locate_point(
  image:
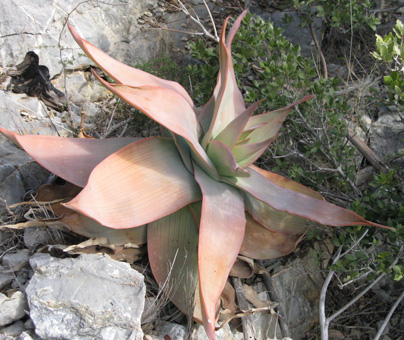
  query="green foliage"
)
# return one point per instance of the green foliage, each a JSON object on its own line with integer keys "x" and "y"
{"x": 390, "y": 50}
{"x": 343, "y": 14}
{"x": 269, "y": 67}
{"x": 383, "y": 200}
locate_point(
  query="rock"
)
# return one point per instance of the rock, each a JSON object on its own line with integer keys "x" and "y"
{"x": 224, "y": 333}
{"x": 24, "y": 115}
{"x": 11, "y": 186}
{"x": 294, "y": 31}
{"x": 12, "y": 308}
{"x": 5, "y": 279}
{"x": 35, "y": 237}
{"x": 364, "y": 176}
{"x": 387, "y": 137}
{"x": 12, "y": 260}
{"x": 13, "y": 330}
{"x": 26, "y": 336}
{"x": 298, "y": 288}
{"x": 179, "y": 332}
{"x": 89, "y": 297}
{"x": 33, "y": 175}
{"x": 109, "y": 25}
{"x": 81, "y": 87}
{"x": 173, "y": 330}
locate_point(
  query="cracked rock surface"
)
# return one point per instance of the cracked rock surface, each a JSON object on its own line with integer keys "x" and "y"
{"x": 89, "y": 297}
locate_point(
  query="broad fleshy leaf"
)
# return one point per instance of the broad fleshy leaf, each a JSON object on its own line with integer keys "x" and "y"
{"x": 73, "y": 159}
{"x": 247, "y": 154}
{"x": 172, "y": 244}
{"x": 260, "y": 243}
{"x": 169, "y": 109}
{"x": 228, "y": 102}
{"x": 84, "y": 225}
{"x": 125, "y": 74}
{"x": 232, "y": 132}
{"x": 295, "y": 203}
{"x": 221, "y": 234}
{"x": 276, "y": 220}
{"x": 136, "y": 185}
{"x": 223, "y": 158}
{"x": 271, "y": 120}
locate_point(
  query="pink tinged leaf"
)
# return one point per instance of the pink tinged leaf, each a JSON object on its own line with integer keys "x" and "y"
{"x": 136, "y": 185}
{"x": 172, "y": 244}
{"x": 247, "y": 154}
{"x": 267, "y": 125}
{"x": 229, "y": 102}
{"x": 260, "y": 243}
{"x": 221, "y": 234}
{"x": 276, "y": 220}
{"x": 258, "y": 120}
{"x": 73, "y": 159}
{"x": 125, "y": 74}
{"x": 169, "y": 109}
{"x": 206, "y": 115}
{"x": 224, "y": 161}
{"x": 232, "y": 132}
{"x": 295, "y": 203}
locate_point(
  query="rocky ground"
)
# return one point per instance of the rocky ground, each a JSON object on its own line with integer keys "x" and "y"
{"x": 52, "y": 289}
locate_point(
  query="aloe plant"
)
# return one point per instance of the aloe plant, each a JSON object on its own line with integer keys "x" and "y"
{"x": 195, "y": 189}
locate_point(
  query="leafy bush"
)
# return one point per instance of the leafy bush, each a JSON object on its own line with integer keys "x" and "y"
{"x": 342, "y": 14}
{"x": 390, "y": 50}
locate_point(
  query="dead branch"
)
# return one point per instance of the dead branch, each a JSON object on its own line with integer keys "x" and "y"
{"x": 246, "y": 320}
{"x": 367, "y": 152}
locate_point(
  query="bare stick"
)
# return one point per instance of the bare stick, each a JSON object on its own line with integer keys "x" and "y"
{"x": 197, "y": 20}
{"x": 320, "y": 52}
{"x": 324, "y": 321}
{"x": 275, "y": 298}
{"x": 248, "y": 328}
{"x": 367, "y": 152}
{"x": 388, "y": 317}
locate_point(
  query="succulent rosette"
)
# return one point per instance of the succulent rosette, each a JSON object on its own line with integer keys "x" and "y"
{"x": 195, "y": 189}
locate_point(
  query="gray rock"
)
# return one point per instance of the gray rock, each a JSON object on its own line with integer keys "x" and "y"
{"x": 89, "y": 297}
{"x": 298, "y": 288}
{"x": 33, "y": 175}
{"x": 173, "y": 330}
{"x": 12, "y": 308}
{"x": 35, "y": 237}
{"x": 24, "y": 115}
{"x": 5, "y": 279}
{"x": 11, "y": 186}
{"x": 26, "y": 336}
{"x": 224, "y": 333}
{"x": 364, "y": 176}
{"x": 110, "y": 25}
{"x": 387, "y": 136}
{"x": 13, "y": 330}
{"x": 294, "y": 31}
{"x": 12, "y": 260}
